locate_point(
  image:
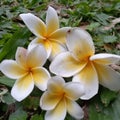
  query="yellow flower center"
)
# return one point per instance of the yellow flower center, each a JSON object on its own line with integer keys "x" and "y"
{"x": 29, "y": 70}
{"x": 86, "y": 59}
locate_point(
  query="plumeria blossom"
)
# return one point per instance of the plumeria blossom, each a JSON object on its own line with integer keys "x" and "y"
{"x": 60, "y": 98}
{"x": 49, "y": 35}
{"x": 84, "y": 65}
{"x": 28, "y": 70}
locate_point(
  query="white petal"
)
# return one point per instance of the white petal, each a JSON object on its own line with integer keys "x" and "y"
{"x": 57, "y": 48}
{"x": 60, "y": 35}
{"x": 56, "y": 84}
{"x": 80, "y": 43}
{"x": 11, "y": 69}
{"x": 22, "y": 88}
{"x": 89, "y": 79}
{"x": 105, "y": 59}
{"x": 21, "y": 55}
{"x": 49, "y": 101}
{"x": 36, "y": 57}
{"x": 43, "y": 42}
{"x": 108, "y": 77}
{"x": 40, "y": 77}
{"x": 34, "y": 43}
{"x": 52, "y": 21}
{"x": 74, "y": 90}
{"x": 74, "y": 109}
{"x": 58, "y": 113}
{"x": 65, "y": 65}
{"x": 35, "y": 24}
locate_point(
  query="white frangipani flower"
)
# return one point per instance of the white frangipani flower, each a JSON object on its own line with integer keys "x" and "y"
{"x": 28, "y": 70}
{"x": 86, "y": 67}
{"x": 49, "y": 35}
{"x": 60, "y": 98}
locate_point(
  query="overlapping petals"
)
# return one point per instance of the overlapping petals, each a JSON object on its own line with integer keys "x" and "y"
{"x": 108, "y": 77}
{"x": 48, "y": 33}
{"x": 89, "y": 79}
{"x": 73, "y": 53}
{"x": 105, "y": 58}
{"x": 40, "y": 77}
{"x": 58, "y": 113}
{"x": 65, "y": 65}
{"x": 80, "y": 43}
{"x": 74, "y": 109}
{"x": 28, "y": 70}
{"x": 60, "y": 98}
{"x": 87, "y": 68}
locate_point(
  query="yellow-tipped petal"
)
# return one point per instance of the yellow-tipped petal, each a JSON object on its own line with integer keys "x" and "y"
{"x": 47, "y": 45}
{"x": 80, "y": 43}
{"x": 58, "y": 113}
{"x": 52, "y": 21}
{"x": 89, "y": 79}
{"x": 49, "y": 101}
{"x": 108, "y": 77}
{"x": 60, "y": 35}
{"x": 35, "y": 24}
{"x": 65, "y": 65}
{"x": 40, "y": 77}
{"x": 22, "y": 87}
{"x": 44, "y": 42}
{"x": 57, "y": 48}
{"x": 73, "y": 90}
{"x": 34, "y": 43}
{"x": 36, "y": 57}
{"x": 74, "y": 109}
{"x": 105, "y": 59}
{"x": 20, "y": 56}
{"x": 56, "y": 85}
{"x": 11, "y": 69}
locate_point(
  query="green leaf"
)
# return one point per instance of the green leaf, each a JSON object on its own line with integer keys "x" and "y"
{"x": 94, "y": 114}
{"x": 31, "y": 102}
{"x": 98, "y": 110}
{"x": 37, "y": 117}
{"x": 107, "y": 96}
{"x": 19, "y": 39}
{"x": 19, "y": 114}
{"x": 102, "y": 18}
{"x": 116, "y": 109}
{"x": 109, "y": 39}
{"x": 93, "y": 26}
{"x": 7, "y": 81}
{"x": 8, "y": 99}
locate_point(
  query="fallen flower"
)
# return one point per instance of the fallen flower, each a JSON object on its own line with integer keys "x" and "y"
{"x": 60, "y": 98}
{"x": 49, "y": 35}
{"x": 28, "y": 70}
{"x": 86, "y": 67}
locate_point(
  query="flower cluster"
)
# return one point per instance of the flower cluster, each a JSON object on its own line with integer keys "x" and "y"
{"x": 72, "y": 54}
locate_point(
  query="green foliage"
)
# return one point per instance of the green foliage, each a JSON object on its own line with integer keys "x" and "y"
{"x": 37, "y": 117}
{"x": 107, "y": 96}
{"x": 6, "y": 81}
{"x": 95, "y": 16}
{"x": 99, "y": 110}
{"x": 31, "y": 102}
{"x": 19, "y": 38}
{"x": 19, "y": 114}
{"x": 8, "y": 99}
